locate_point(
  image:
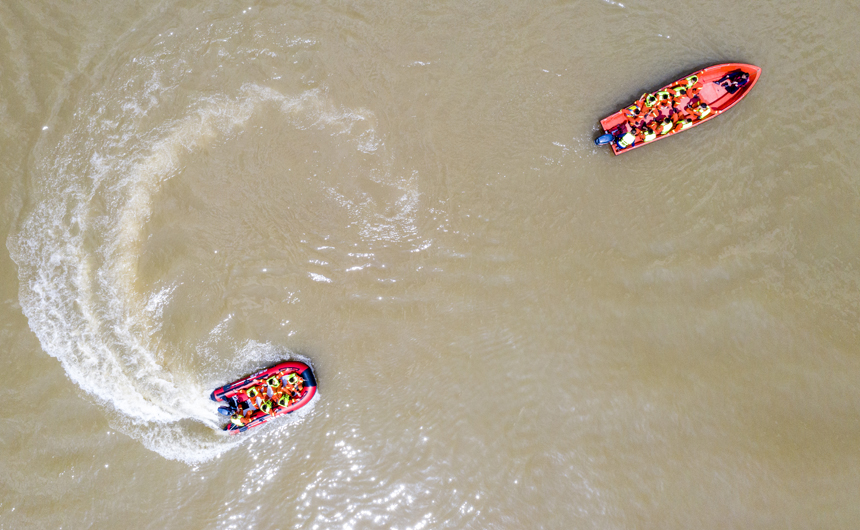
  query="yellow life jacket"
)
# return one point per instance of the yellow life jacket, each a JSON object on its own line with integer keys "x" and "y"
{"x": 631, "y": 112}
{"x": 626, "y": 140}
{"x": 683, "y": 124}
{"x": 667, "y": 126}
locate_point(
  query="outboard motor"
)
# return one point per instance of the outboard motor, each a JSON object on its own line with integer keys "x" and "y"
{"x": 225, "y": 411}
{"x": 604, "y": 139}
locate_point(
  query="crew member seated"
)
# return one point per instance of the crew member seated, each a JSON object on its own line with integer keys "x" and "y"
{"x": 632, "y": 112}
{"x": 683, "y": 124}
{"x": 626, "y": 140}
{"x": 701, "y": 110}
{"x": 239, "y": 420}
{"x": 666, "y": 126}
{"x": 733, "y": 81}
{"x": 650, "y": 132}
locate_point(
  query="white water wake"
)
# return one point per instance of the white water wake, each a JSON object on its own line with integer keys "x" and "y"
{"x": 78, "y": 252}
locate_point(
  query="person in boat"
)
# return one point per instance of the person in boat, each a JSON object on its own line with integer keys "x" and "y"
{"x": 292, "y": 383}
{"x": 692, "y": 81}
{"x": 239, "y": 420}
{"x": 688, "y": 87}
{"x": 687, "y": 83}
{"x": 734, "y": 81}
{"x": 701, "y": 110}
{"x": 632, "y": 112}
{"x": 635, "y": 116}
{"x": 627, "y": 139}
{"x": 694, "y": 90}
{"x": 647, "y": 106}
{"x": 682, "y": 124}
{"x": 650, "y": 132}
{"x": 679, "y": 94}
{"x": 664, "y": 99}
{"x": 647, "y": 101}
{"x": 666, "y": 126}
{"x": 255, "y": 399}
{"x": 291, "y": 392}
{"x": 233, "y": 403}
{"x": 270, "y": 386}
{"x": 298, "y": 386}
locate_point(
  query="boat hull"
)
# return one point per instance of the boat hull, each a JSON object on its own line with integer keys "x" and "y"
{"x": 713, "y": 93}
{"x": 237, "y": 388}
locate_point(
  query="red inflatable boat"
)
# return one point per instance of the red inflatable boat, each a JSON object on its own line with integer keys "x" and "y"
{"x": 254, "y": 400}
{"x": 717, "y": 89}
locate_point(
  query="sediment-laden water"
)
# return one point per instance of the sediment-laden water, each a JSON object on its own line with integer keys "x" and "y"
{"x": 510, "y": 327}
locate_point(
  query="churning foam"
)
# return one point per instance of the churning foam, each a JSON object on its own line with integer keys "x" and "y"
{"x": 77, "y": 254}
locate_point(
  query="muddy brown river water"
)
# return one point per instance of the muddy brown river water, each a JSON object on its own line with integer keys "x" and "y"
{"x": 510, "y": 327}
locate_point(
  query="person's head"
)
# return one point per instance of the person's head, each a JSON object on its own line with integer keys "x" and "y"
{"x": 282, "y": 401}
{"x": 693, "y": 79}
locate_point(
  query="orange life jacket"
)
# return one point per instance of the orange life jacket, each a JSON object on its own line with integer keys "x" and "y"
{"x": 694, "y": 90}
{"x": 683, "y": 124}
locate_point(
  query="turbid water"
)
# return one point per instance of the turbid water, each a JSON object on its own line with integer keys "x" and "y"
{"x": 511, "y": 328}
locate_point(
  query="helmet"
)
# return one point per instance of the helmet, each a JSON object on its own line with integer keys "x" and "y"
{"x": 283, "y": 401}
{"x": 273, "y": 382}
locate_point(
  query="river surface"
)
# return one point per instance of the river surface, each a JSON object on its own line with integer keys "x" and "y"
{"x": 510, "y": 327}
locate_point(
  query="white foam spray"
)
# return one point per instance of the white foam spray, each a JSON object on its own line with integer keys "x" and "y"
{"x": 78, "y": 251}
